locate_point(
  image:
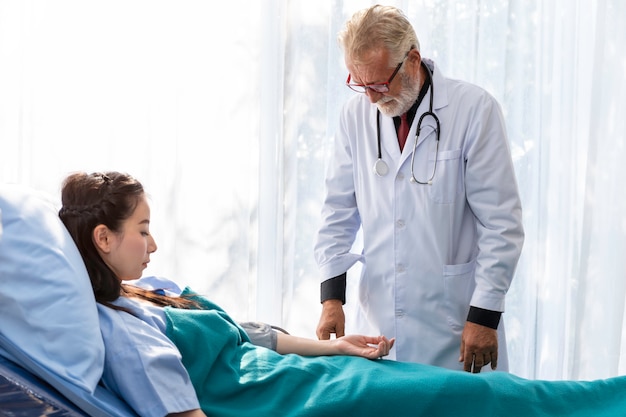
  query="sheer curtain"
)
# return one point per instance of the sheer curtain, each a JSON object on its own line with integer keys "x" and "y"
{"x": 226, "y": 112}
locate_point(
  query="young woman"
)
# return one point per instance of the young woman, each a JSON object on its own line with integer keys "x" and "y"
{"x": 171, "y": 353}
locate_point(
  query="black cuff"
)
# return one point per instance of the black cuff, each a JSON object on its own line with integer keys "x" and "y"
{"x": 334, "y": 289}
{"x": 488, "y": 318}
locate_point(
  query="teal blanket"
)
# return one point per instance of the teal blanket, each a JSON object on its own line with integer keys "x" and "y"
{"x": 234, "y": 378}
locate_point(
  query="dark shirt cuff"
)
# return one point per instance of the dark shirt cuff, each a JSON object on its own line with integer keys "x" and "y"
{"x": 334, "y": 289}
{"x": 484, "y": 317}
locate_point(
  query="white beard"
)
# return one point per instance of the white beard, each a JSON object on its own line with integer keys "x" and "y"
{"x": 395, "y": 106}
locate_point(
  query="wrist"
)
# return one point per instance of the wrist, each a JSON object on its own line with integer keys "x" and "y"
{"x": 332, "y": 303}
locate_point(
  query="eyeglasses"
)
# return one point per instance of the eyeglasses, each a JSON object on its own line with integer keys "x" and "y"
{"x": 379, "y": 88}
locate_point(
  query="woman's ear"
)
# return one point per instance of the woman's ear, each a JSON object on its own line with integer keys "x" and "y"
{"x": 102, "y": 238}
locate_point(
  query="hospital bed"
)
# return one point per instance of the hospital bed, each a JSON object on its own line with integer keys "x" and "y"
{"x": 52, "y": 353}
{"x": 24, "y": 394}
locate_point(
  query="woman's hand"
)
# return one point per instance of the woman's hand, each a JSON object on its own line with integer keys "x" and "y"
{"x": 371, "y": 347}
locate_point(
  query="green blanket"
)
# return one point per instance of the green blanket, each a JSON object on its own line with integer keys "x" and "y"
{"x": 232, "y": 377}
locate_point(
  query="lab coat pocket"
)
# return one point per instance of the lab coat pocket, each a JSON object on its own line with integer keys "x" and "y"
{"x": 447, "y": 183}
{"x": 458, "y": 281}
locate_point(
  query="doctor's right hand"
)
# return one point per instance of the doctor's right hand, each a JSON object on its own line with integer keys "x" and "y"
{"x": 332, "y": 320}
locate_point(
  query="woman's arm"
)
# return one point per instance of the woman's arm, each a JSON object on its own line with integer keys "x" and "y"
{"x": 370, "y": 347}
{"x": 193, "y": 413}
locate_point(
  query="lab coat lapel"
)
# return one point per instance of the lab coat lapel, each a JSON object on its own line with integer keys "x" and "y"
{"x": 389, "y": 139}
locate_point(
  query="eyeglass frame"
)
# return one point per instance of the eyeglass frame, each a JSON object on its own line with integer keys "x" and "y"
{"x": 377, "y": 87}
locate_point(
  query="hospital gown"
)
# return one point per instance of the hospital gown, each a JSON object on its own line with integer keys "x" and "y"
{"x": 143, "y": 366}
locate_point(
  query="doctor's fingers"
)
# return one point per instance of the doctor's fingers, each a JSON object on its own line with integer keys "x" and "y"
{"x": 494, "y": 360}
{"x": 332, "y": 320}
{"x": 473, "y": 363}
{"x": 476, "y": 362}
{"x": 340, "y": 330}
{"x": 326, "y": 328}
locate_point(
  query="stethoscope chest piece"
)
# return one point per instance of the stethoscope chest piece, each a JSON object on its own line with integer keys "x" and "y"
{"x": 380, "y": 168}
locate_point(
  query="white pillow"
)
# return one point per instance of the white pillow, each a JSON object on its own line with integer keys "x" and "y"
{"x": 47, "y": 307}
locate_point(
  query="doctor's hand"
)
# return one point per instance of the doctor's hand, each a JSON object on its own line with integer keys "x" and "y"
{"x": 332, "y": 320}
{"x": 479, "y": 347}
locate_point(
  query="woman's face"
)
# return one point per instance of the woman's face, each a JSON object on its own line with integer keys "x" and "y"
{"x": 130, "y": 248}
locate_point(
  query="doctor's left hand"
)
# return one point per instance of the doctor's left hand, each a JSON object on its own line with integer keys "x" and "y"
{"x": 479, "y": 347}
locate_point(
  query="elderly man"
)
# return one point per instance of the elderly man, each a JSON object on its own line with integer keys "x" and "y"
{"x": 422, "y": 165}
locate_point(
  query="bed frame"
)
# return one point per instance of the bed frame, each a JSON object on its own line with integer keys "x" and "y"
{"x": 22, "y": 393}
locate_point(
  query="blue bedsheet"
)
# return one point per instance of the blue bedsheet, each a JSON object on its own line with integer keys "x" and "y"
{"x": 234, "y": 378}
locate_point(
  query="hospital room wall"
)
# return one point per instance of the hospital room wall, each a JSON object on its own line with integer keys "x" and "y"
{"x": 226, "y": 111}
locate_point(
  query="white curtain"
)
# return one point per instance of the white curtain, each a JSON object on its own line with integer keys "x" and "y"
{"x": 226, "y": 112}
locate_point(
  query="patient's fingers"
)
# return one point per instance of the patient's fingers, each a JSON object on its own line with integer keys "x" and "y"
{"x": 385, "y": 345}
{"x": 370, "y": 347}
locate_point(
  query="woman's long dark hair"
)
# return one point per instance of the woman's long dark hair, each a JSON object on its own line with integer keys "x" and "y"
{"x": 107, "y": 198}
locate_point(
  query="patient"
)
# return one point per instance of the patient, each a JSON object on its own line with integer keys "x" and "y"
{"x": 176, "y": 353}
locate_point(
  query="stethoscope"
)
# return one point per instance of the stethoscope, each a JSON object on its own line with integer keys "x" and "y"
{"x": 381, "y": 168}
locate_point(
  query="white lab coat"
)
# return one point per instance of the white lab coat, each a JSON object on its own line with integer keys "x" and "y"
{"x": 429, "y": 251}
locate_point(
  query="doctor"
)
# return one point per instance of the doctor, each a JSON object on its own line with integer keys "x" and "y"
{"x": 439, "y": 211}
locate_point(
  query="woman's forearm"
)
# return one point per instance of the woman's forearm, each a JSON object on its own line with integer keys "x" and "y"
{"x": 370, "y": 347}
{"x": 302, "y": 346}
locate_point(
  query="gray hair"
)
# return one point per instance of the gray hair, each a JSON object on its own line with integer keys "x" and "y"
{"x": 378, "y": 27}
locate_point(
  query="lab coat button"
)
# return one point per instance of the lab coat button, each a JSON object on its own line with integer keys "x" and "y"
{"x": 399, "y": 313}
{"x": 400, "y": 268}
{"x": 400, "y": 176}
{"x": 400, "y": 224}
